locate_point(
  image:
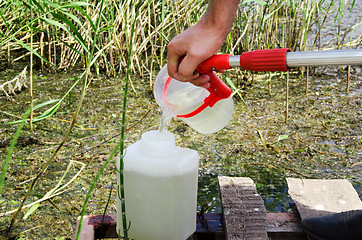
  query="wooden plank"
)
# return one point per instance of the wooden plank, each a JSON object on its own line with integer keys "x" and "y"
{"x": 282, "y": 222}
{"x": 280, "y": 226}
{"x": 284, "y": 226}
{"x": 208, "y": 227}
{"x": 243, "y": 209}
{"x": 319, "y": 197}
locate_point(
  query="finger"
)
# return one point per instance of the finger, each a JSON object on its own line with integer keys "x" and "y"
{"x": 173, "y": 64}
{"x": 205, "y": 85}
{"x": 174, "y": 56}
{"x": 187, "y": 67}
{"x": 201, "y": 81}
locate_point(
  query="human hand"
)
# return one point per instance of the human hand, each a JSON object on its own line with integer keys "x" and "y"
{"x": 194, "y": 45}
{"x": 200, "y": 42}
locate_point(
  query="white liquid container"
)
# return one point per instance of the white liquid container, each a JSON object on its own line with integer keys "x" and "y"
{"x": 179, "y": 98}
{"x": 160, "y": 181}
{"x": 211, "y": 119}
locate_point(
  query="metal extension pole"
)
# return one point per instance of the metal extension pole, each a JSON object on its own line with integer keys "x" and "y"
{"x": 324, "y": 58}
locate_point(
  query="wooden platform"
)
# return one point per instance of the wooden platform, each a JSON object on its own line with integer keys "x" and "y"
{"x": 244, "y": 216}
{"x": 209, "y": 227}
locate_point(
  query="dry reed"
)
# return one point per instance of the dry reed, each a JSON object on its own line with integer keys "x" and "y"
{"x": 275, "y": 24}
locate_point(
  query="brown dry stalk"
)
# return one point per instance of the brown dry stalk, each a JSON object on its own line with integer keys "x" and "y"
{"x": 277, "y": 24}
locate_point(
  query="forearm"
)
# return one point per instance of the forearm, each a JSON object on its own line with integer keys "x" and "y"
{"x": 200, "y": 42}
{"x": 220, "y": 15}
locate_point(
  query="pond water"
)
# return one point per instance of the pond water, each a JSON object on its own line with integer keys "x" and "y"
{"x": 323, "y": 141}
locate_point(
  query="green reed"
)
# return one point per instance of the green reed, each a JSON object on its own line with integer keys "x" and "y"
{"x": 120, "y": 146}
{"x": 63, "y": 45}
{"x": 11, "y": 150}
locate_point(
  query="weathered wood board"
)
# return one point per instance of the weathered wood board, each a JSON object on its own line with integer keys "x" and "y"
{"x": 208, "y": 227}
{"x": 319, "y": 197}
{"x": 243, "y": 209}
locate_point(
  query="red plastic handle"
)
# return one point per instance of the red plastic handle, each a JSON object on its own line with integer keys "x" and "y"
{"x": 215, "y": 63}
{"x": 218, "y": 89}
{"x": 258, "y": 60}
{"x": 265, "y": 60}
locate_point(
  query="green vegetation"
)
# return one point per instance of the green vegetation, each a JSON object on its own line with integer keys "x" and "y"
{"x": 62, "y": 31}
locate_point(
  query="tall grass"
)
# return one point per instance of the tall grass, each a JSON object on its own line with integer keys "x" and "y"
{"x": 59, "y": 16}
{"x": 273, "y": 23}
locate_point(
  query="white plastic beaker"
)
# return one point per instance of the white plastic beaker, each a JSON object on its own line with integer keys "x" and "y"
{"x": 190, "y": 103}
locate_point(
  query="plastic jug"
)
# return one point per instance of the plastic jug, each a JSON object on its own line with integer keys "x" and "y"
{"x": 204, "y": 110}
{"x": 160, "y": 181}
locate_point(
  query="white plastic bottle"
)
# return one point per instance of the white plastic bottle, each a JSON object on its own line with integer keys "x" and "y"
{"x": 160, "y": 181}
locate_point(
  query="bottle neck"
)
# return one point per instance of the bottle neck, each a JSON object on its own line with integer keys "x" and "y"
{"x": 156, "y": 142}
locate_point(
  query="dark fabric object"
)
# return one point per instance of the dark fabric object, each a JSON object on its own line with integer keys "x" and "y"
{"x": 339, "y": 226}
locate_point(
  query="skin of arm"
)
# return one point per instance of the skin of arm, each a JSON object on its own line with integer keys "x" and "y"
{"x": 201, "y": 41}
